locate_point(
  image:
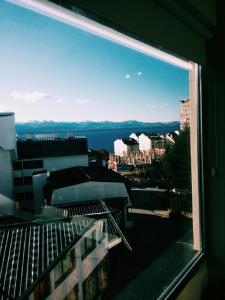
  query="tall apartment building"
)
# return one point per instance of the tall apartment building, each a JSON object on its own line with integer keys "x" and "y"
{"x": 185, "y": 113}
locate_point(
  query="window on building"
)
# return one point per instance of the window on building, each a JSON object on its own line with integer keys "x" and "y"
{"x": 64, "y": 267}
{"x": 43, "y": 289}
{"x": 88, "y": 244}
{"x": 73, "y": 294}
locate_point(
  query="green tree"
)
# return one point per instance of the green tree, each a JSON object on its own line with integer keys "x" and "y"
{"x": 177, "y": 162}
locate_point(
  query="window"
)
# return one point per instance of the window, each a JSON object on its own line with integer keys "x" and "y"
{"x": 64, "y": 267}
{"x": 43, "y": 289}
{"x": 88, "y": 244}
{"x": 73, "y": 294}
{"x": 144, "y": 110}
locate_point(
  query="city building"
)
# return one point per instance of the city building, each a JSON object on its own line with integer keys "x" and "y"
{"x": 193, "y": 30}
{"x": 87, "y": 188}
{"x": 135, "y": 136}
{"x": 8, "y": 153}
{"x": 124, "y": 146}
{"x": 185, "y": 113}
{"x": 23, "y": 160}
{"x": 53, "y": 257}
{"x": 150, "y": 141}
{"x": 170, "y": 138}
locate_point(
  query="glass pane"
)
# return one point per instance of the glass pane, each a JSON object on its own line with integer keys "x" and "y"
{"x": 95, "y": 162}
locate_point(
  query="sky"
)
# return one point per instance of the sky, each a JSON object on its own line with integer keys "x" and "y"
{"x": 53, "y": 71}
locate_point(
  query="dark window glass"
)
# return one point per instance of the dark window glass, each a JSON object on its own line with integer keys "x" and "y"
{"x": 23, "y": 180}
{"x": 73, "y": 294}
{"x": 66, "y": 265}
{"x": 88, "y": 244}
{"x": 43, "y": 289}
{"x": 18, "y": 180}
{"x": 17, "y": 165}
{"x": 33, "y": 164}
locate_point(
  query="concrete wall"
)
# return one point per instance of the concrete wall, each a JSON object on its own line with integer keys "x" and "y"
{"x": 63, "y": 162}
{"x": 88, "y": 191}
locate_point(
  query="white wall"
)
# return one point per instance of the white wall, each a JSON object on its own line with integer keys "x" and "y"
{"x": 134, "y": 136}
{"x": 83, "y": 267}
{"x": 8, "y": 132}
{"x": 88, "y": 191}
{"x": 6, "y": 174}
{"x": 120, "y": 147}
{"x": 144, "y": 143}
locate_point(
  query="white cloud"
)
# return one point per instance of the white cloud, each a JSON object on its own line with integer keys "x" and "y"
{"x": 139, "y": 73}
{"x": 127, "y": 76}
{"x": 29, "y": 97}
{"x": 33, "y": 97}
{"x": 4, "y": 108}
{"x": 83, "y": 101}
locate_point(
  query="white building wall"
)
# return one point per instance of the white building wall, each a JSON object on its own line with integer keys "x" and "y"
{"x": 7, "y": 131}
{"x": 89, "y": 191}
{"x": 120, "y": 147}
{"x": 134, "y": 136}
{"x": 63, "y": 162}
{"x": 83, "y": 268}
{"x": 144, "y": 143}
{"x": 6, "y": 174}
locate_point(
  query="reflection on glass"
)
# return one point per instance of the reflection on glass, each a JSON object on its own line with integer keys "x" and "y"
{"x": 87, "y": 206}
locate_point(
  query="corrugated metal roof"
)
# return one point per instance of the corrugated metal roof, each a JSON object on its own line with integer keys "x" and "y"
{"x": 27, "y": 250}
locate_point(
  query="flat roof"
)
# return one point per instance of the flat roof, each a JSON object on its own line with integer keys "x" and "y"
{"x": 29, "y": 149}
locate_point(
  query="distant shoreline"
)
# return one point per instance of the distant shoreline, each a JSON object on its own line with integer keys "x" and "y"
{"x": 99, "y": 138}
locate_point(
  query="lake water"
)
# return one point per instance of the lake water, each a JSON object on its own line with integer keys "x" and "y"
{"x": 103, "y": 138}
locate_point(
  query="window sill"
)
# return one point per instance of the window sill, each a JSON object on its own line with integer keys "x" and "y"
{"x": 161, "y": 278}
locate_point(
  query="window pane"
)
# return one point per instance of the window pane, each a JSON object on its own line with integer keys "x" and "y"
{"x": 99, "y": 159}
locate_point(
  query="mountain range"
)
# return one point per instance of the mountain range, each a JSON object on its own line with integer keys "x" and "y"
{"x": 47, "y": 126}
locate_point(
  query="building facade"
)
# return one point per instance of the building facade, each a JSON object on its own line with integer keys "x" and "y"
{"x": 185, "y": 113}
{"x": 124, "y": 146}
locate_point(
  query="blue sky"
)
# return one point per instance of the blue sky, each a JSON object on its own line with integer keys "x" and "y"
{"x": 53, "y": 71}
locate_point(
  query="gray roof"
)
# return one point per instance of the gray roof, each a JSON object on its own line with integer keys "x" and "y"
{"x": 77, "y": 175}
{"x": 6, "y": 114}
{"x": 129, "y": 141}
{"x": 27, "y": 250}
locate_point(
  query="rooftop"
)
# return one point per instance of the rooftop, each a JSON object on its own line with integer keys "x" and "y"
{"x": 38, "y": 148}
{"x": 27, "y": 250}
{"x": 6, "y": 114}
{"x": 77, "y": 175}
{"x": 129, "y": 141}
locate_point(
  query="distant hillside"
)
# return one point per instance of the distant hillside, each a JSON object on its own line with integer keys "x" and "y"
{"x": 50, "y": 126}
